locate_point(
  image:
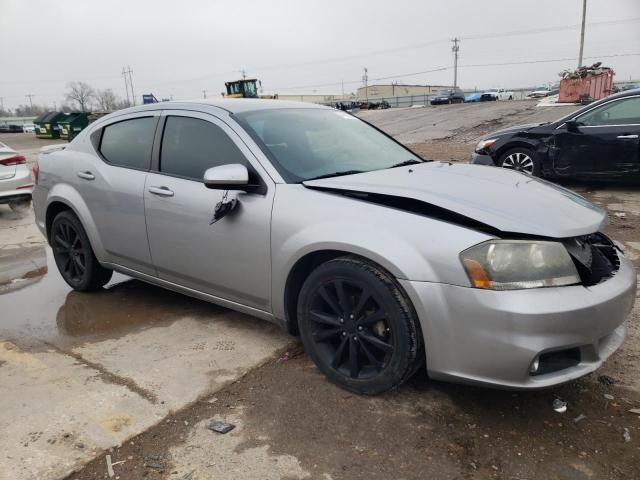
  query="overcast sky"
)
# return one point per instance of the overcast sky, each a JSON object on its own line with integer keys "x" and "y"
{"x": 180, "y": 47}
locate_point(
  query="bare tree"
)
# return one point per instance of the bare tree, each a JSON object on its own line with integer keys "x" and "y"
{"x": 107, "y": 100}
{"x": 81, "y": 94}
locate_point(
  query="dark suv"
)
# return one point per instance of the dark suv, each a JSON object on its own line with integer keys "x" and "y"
{"x": 450, "y": 95}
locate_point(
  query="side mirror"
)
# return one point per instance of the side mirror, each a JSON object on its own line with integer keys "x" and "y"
{"x": 233, "y": 176}
{"x": 572, "y": 126}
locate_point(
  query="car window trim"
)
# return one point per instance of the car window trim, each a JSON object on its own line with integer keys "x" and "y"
{"x": 194, "y": 114}
{"x": 111, "y": 164}
{"x": 571, "y": 119}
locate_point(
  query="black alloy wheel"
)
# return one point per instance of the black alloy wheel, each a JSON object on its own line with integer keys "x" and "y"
{"x": 358, "y": 326}
{"x": 73, "y": 254}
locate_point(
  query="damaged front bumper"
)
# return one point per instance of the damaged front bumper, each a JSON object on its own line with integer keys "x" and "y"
{"x": 482, "y": 159}
{"x": 495, "y": 337}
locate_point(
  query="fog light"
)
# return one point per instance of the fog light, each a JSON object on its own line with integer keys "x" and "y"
{"x": 534, "y": 365}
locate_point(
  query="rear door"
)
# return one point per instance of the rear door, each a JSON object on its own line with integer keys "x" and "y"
{"x": 231, "y": 258}
{"x": 605, "y": 142}
{"x": 112, "y": 185}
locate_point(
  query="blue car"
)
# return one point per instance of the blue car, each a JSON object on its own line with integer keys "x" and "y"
{"x": 472, "y": 97}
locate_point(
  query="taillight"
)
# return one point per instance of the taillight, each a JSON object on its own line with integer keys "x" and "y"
{"x": 36, "y": 171}
{"x": 15, "y": 160}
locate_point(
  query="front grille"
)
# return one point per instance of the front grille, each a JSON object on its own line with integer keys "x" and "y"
{"x": 595, "y": 257}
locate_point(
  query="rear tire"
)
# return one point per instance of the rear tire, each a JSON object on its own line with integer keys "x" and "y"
{"x": 522, "y": 160}
{"x": 358, "y": 326}
{"x": 74, "y": 256}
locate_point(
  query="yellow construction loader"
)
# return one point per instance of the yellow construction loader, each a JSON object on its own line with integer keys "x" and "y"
{"x": 245, "y": 88}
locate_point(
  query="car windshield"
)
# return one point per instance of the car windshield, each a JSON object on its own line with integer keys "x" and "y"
{"x": 308, "y": 143}
{"x": 443, "y": 92}
{"x": 492, "y": 90}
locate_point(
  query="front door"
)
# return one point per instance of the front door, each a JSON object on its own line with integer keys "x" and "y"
{"x": 605, "y": 141}
{"x": 230, "y": 258}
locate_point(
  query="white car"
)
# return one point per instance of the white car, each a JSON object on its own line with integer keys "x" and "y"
{"x": 28, "y": 128}
{"x": 497, "y": 94}
{"x": 540, "y": 92}
{"x": 16, "y": 183}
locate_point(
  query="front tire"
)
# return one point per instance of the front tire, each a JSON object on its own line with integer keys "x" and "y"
{"x": 74, "y": 256}
{"x": 358, "y": 326}
{"x": 522, "y": 160}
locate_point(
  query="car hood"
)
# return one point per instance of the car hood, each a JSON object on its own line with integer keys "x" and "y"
{"x": 516, "y": 128}
{"x": 502, "y": 199}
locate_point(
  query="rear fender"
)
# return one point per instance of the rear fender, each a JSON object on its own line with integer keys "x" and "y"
{"x": 65, "y": 193}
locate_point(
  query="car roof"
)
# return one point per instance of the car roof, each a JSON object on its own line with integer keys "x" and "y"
{"x": 231, "y": 105}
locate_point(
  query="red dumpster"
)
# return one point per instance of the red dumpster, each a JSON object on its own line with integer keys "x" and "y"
{"x": 591, "y": 87}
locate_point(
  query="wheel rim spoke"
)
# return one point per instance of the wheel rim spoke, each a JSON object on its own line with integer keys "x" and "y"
{"x": 62, "y": 242}
{"x": 364, "y": 297}
{"x": 79, "y": 264}
{"x": 326, "y": 296}
{"x": 377, "y": 342}
{"x": 342, "y": 297}
{"x": 337, "y": 357}
{"x": 371, "y": 357}
{"x": 324, "y": 318}
{"x": 326, "y": 334}
{"x": 354, "y": 369}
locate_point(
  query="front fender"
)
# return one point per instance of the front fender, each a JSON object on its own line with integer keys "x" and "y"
{"x": 409, "y": 246}
{"x": 66, "y": 194}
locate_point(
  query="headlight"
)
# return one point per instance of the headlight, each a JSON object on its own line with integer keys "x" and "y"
{"x": 482, "y": 144}
{"x": 518, "y": 264}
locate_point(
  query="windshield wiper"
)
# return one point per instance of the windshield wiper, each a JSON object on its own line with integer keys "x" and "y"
{"x": 405, "y": 163}
{"x": 335, "y": 174}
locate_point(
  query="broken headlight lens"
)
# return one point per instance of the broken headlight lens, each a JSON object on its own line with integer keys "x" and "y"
{"x": 519, "y": 264}
{"x": 483, "y": 144}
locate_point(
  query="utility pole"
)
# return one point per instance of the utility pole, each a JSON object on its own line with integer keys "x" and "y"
{"x": 455, "y": 49}
{"x": 1, "y": 104}
{"x": 584, "y": 16}
{"x": 30, "y": 96}
{"x": 365, "y": 81}
{"x": 133, "y": 95}
{"x": 343, "y": 88}
{"x": 126, "y": 85}
{"x": 244, "y": 73}
{"x": 204, "y": 94}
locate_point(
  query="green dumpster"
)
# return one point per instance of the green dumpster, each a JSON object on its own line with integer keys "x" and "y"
{"x": 72, "y": 124}
{"x": 47, "y": 125}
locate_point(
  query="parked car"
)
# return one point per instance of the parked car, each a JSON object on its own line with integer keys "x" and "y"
{"x": 315, "y": 220}
{"x": 15, "y": 179}
{"x": 451, "y": 95}
{"x": 28, "y": 128}
{"x": 496, "y": 94}
{"x": 540, "y": 92}
{"x": 600, "y": 140}
{"x": 10, "y": 128}
{"x": 472, "y": 97}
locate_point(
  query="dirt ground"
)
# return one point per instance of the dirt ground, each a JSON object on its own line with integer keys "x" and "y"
{"x": 291, "y": 423}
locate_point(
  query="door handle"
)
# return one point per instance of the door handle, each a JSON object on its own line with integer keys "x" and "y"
{"x": 86, "y": 175}
{"x": 162, "y": 191}
{"x": 627, "y": 137}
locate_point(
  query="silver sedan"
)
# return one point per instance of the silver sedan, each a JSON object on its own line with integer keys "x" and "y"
{"x": 311, "y": 218}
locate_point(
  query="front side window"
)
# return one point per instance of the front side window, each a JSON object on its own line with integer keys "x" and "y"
{"x": 190, "y": 146}
{"x": 129, "y": 143}
{"x": 307, "y": 143}
{"x": 620, "y": 112}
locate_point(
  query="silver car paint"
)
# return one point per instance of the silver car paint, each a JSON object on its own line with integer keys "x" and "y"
{"x": 507, "y": 200}
{"x": 461, "y": 325}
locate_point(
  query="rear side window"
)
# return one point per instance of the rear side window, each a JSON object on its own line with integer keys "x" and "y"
{"x": 129, "y": 143}
{"x": 190, "y": 146}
